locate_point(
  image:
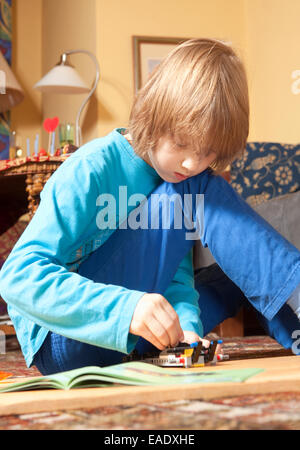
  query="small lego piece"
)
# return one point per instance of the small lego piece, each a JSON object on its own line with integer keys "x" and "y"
{"x": 222, "y": 357}
{"x": 184, "y": 355}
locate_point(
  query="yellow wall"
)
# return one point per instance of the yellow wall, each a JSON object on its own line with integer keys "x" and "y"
{"x": 273, "y": 53}
{"x": 42, "y": 29}
{"x": 264, "y": 32}
{"x": 118, "y": 20}
{"x": 67, "y": 25}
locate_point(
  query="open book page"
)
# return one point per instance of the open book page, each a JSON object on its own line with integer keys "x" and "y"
{"x": 151, "y": 374}
{"x": 131, "y": 373}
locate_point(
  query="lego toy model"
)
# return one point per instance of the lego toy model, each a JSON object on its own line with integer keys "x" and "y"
{"x": 185, "y": 355}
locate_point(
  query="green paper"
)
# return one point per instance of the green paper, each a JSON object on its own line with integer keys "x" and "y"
{"x": 131, "y": 373}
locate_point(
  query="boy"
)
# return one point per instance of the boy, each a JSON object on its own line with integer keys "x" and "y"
{"x": 82, "y": 290}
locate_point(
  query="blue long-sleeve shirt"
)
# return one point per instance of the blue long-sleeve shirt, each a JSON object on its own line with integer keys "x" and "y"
{"x": 39, "y": 280}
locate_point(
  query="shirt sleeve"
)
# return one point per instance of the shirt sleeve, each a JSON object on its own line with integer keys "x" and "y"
{"x": 36, "y": 281}
{"x": 184, "y": 297}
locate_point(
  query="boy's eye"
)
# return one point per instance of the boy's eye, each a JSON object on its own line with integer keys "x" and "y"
{"x": 180, "y": 144}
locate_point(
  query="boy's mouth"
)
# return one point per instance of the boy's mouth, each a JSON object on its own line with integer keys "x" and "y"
{"x": 179, "y": 176}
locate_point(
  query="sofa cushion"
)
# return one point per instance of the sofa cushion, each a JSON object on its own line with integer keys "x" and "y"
{"x": 283, "y": 213}
{"x": 266, "y": 170}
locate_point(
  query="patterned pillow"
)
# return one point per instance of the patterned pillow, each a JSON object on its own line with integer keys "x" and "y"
{"x": 266, "y": 170}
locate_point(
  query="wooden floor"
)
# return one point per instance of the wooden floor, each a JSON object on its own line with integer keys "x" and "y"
{"x": 280, "y": 374}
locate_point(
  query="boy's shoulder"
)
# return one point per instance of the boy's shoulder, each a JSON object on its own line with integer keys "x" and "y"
{"x": 94, "y": 160}
{"x": 102, "y": 148}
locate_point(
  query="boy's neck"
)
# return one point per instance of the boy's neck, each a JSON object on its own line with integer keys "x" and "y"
{"x": 128, "y": 137}
{"x": 146, "y": 158}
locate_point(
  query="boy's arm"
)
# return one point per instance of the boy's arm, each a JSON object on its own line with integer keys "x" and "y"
{"x": 35, "y": 280}
{"x": 184, "y": 297}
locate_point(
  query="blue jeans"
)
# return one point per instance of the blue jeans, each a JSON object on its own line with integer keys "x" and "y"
{"x": 257, "y": 265}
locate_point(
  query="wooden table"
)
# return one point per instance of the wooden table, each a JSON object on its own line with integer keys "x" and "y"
{"x": 280, "y": 374}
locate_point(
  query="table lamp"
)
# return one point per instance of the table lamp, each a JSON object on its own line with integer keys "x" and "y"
{"x": 11, "y": 93}
{"x": 63, "y": 79}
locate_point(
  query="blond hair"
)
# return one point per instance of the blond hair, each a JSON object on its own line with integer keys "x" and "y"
{"x": 198, "y": 91}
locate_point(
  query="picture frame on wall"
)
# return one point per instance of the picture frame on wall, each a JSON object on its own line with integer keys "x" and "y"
{"x": 148, "y": 52}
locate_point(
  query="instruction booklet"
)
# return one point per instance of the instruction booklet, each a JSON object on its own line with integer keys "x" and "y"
{"x": 131, "y": 373}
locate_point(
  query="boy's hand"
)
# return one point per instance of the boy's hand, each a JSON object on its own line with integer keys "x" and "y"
{"x": 190, "y": 337}
{"x": 156, "y": 321}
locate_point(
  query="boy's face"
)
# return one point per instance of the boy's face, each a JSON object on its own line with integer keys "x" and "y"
{"x": 175, "y": 160}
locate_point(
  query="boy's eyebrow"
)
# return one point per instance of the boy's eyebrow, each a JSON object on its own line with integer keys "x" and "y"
{"x": 185, "y": 140}
{"x": 198, "y": 148}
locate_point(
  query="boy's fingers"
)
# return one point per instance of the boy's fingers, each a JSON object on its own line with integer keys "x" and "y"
{"x": 149, "y": 336}
{"x": 157, "y": 321}
{"x": 170, "y": 320}
{"x": 157, "y": 328}
{"x": 219, "y": 349}
{"x": 205, "y": 342}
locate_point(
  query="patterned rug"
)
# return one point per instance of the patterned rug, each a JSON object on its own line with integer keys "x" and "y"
{"x": 278, "y": 411}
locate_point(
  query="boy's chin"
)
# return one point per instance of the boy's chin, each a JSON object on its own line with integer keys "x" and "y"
{"x": 170, "y": 179}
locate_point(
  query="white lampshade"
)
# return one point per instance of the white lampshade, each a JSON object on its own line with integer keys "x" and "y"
{"x": 11, "y": 93}
{"x": 62, "y": 79}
